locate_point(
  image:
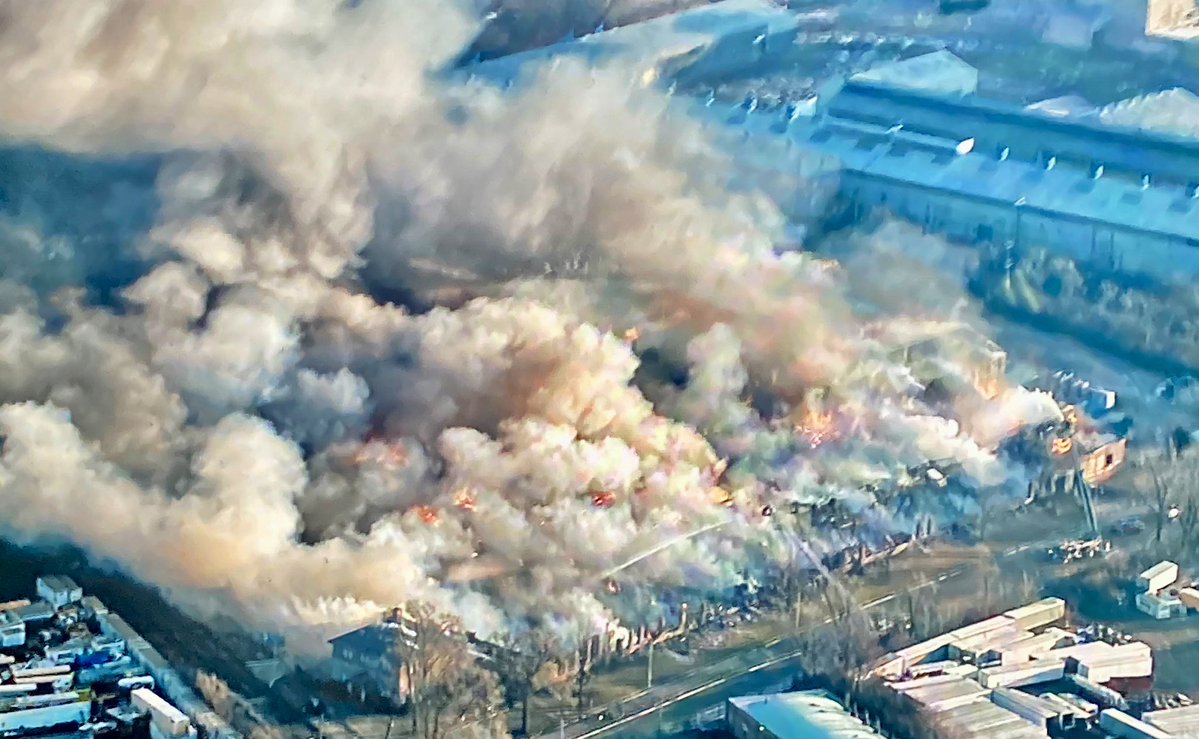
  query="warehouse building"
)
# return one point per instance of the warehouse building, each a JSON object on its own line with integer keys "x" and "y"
{"x": 1017, "y": 674}
{"x": 800, "y": 715}
{"x": 707, "y": 40}
{"x": 1118, "y": 197}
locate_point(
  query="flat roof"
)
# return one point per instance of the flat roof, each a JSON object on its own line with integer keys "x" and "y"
{"x": 58, "y": 582}
{"x": 1060, "y": 192}
{"x": 803, "y": 715}
{"x": 650, "y": 43}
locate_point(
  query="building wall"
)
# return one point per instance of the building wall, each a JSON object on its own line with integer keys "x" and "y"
{"x": 45, "y": 717}
{"x": 965, "y": 218}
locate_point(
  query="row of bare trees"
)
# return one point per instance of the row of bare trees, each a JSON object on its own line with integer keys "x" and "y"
{"x": 452, "y": 682}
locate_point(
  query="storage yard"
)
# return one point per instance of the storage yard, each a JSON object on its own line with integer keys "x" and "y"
{"x": 69, "y": 664}
{"x": 1023, "y": 673}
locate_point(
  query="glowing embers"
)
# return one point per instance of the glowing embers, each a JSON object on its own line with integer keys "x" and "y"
{"x": 603, "y": 499}
{"x": 816, "y": 427}
{"x": 428, "y": 514}
{"x": 382, "y": 452}
{"x": 814, "y": 422}
{"x": 464, "y": 500}
{"x": 1061, "y": 446}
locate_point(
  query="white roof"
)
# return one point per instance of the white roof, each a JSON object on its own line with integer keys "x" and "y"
{"x": 1173, "y": 111}
{"x": 1159, "y": 569}
{"x": 803, "y": 715}
{"x": 650, "y": 45}
{"x": 1179, "y": 721}
{"x": 1064, "y": 106}
{"x": 939, "y": 71}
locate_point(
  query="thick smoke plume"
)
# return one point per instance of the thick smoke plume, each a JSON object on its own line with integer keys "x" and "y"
{"x": 209, "y": 205}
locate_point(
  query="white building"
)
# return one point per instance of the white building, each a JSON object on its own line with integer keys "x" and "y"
{"x": 1161, "y": 575}
{"x": 1160, "y": 605}
{"x": 35, "y": 717}
{"x": 59, "y": 590}
{"x": 939, "y": 72}
{"x": 806, "y": 714}
{"x": 12, "y": 630}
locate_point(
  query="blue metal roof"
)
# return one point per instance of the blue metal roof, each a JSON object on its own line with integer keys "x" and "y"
{"x": 995, "y": 124}
{"x": 803, "y": 715}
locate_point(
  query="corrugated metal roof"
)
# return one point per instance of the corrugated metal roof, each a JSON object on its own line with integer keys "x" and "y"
{"x": 1177, "y": 721}
{"x": 649, "y": 44}
{"x": 803, "y": 715}
{"x": 1062, "y": 191}
{"x": 1174, "y": 111}
{"x": 939, "y": 71}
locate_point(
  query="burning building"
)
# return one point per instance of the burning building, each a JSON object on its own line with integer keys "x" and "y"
{"x": 1058, "y": 450}
{"x": 951, "y": 354}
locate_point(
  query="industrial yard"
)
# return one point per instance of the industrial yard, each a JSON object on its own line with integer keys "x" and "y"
{"x": 70, "y": 666}
{"x": 766, "y": 369}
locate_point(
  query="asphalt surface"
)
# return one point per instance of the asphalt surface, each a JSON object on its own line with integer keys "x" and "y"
{"x": 753, "y": 670}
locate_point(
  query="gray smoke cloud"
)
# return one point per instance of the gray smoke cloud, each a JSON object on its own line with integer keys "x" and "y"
{"x": 210, "y": 390}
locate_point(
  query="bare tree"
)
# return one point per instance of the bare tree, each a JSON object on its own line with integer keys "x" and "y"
{"x": 524, "y": 672}
{"x": 1161, "y": 504}
{"x": 445, "y": 685}
{"x": 990, "y": 583}
{"x": 217, "y": 694}
{"x": 583, "y": 671}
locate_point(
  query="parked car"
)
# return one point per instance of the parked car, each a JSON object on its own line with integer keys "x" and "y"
{"x": 1128, "y": 526}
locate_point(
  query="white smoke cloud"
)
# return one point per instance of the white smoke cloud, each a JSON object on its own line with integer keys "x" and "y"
{"x": 249, "y": 422}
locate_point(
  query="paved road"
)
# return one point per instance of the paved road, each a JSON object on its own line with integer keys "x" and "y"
{"x": 752, "y": 669}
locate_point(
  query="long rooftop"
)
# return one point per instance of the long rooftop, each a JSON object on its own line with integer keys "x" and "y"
{"x": 653, "y": 45}
{"x": 804, "y": 715}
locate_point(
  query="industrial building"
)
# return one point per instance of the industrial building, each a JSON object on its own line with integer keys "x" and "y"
{"x": 810, "y": 714}
{"x": 1018, "y": 674}
{"x": 1177, "y": 20}
{"x": 707, "y": 40}
{"x": 73, "y": 665}
{"x": 1116, "y": 196}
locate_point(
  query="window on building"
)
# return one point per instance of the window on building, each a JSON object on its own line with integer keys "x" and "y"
{"x": 1109, "y": 459}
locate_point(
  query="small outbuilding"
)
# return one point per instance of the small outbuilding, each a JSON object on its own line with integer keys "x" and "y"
{"x": 59, "y": 590}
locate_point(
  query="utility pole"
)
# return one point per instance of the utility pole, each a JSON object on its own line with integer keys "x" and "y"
{"x": 649, "y": 668}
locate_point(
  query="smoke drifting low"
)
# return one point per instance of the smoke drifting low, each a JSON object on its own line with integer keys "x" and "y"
{"x": 203, "y": 382}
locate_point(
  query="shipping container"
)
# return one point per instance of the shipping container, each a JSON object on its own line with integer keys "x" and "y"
{"x": 45, "y": 717}
{"x": 1121, "y": 724}
{"x": 1177, "y": 721}
{"x": 1189, "y": 598}
{"x": 1161, "y": 575}
{"x": 168, "y": 719}
{"x": 1036, "y": 615}
{"x": 1038, "y": 712}
{"x": 947, "y": 696}
{"x": 1015, "y": 676}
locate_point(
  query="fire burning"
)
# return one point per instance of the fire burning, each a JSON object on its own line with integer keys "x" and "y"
{"x": 382, "y": 452}
{"x": 428, "y": 514}
{"x": 1061, "y": 446}
{"x": 464, "y": 500}
{"x": 816, "y": 427}
{"x": 603, "y": 499}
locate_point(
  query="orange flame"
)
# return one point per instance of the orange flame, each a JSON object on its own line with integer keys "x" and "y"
{"x": 815, "y": 427}
{"x": 632, "y": 335}
{"x": 603, "y": 499}
{"x": 428, "y": 514}
{"x": 1062, "y": 446}
{"x": 464, "y": 500}
{"x": 395, "y": 455}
